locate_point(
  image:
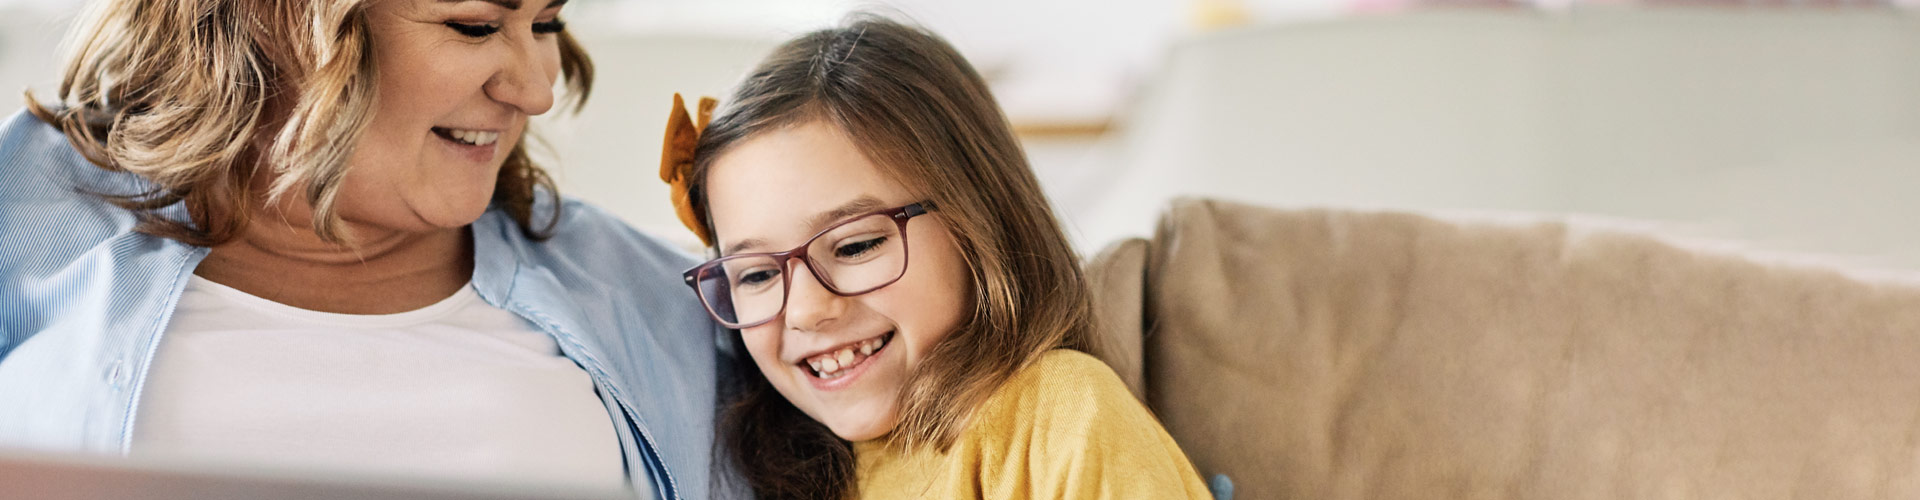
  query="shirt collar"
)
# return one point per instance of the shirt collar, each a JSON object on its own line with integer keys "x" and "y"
{"x": 495, "y": 262}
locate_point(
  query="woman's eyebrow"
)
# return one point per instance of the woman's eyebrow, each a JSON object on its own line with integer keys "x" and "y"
{"x": 507, "y": 4}
{"x": 510, "y": 4}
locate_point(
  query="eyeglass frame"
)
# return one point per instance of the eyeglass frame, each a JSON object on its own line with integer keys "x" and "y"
{"x": 900, "y": 215}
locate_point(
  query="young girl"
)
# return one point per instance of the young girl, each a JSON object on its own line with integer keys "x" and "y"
{"x": 917, "y": 319}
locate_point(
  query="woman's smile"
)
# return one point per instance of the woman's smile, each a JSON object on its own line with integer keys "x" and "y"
{"x": 478, "y": 146}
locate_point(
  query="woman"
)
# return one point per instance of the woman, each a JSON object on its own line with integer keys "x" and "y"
{"x": 308, "y": 234}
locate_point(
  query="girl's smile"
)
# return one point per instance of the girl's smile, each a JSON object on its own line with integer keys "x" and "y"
{"x": 837, "y": 368}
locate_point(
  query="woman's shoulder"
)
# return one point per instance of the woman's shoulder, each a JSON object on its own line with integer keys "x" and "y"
{"x": 49, "y": 192}
{"x": 587, "y": 236}
{"x": 39, "y": 165}
{"x": 593, "y": 261}
{"x": 22, "y": 133}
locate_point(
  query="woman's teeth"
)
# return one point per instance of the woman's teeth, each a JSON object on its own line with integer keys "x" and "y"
{"x": 468, "y": 137}
{"x": 831, "y": 365}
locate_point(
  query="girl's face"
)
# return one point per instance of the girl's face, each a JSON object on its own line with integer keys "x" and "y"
{"x": 772, "y": 192}
{"x": 457, "y": 81}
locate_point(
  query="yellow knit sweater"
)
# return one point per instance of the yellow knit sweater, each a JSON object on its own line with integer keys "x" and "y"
{"x": 1064, "y": 427}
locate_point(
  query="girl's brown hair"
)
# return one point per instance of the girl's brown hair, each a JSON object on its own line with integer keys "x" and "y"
{"x": 920, "y": 112}
{"x": 197, "y": 96}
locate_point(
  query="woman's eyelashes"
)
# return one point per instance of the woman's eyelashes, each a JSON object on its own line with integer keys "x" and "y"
{"x": 473, "y": 30}
{"x": 549, "y": 27}
{"x": 486, "y": 30}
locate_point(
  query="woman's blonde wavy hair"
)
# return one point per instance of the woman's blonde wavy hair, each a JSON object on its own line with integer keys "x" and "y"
{"x": 196, "y": 96}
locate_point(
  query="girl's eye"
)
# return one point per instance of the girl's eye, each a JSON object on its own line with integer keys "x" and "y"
{"x": 549, "y": 27}
{"x": 756, "y": 278}
{"x": 858, "y": 248}
{"x": 473, "y": 30}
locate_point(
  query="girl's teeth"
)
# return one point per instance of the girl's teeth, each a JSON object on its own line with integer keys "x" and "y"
{"x": 828, "y": 366}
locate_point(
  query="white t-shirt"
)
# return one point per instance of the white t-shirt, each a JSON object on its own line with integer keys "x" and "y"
{"x": 456, "y": 390}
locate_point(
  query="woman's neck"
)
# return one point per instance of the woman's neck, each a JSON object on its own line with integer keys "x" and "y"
{"x": 383, "y": 272}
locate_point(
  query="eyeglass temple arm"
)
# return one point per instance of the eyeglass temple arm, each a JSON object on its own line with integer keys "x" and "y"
{"x": 916, "y": 209}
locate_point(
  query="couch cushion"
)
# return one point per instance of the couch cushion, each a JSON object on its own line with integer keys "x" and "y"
{"x": 1117, "y": 277}
{"x": 1332, "y": 355}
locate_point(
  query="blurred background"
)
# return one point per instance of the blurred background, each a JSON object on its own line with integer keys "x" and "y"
{"x": 1792, "y": 126}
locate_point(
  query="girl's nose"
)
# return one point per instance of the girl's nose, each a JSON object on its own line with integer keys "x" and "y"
{"x": 810, "y": 306}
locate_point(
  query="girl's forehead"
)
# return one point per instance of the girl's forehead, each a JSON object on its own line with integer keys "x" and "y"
{"x": 771, "y": 184}
{"x": 797, "y": 166}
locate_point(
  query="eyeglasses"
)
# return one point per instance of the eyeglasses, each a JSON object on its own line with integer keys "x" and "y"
{"x": 854, "y": 257}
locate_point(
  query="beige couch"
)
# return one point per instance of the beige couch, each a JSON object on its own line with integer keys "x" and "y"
{"x": 1343, "y": 355}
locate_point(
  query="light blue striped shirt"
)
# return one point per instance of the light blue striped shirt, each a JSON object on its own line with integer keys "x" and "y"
{"x": 84, "y": 301}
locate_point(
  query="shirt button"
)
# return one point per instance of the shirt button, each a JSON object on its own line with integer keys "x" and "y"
{"x": 113, "y": 374}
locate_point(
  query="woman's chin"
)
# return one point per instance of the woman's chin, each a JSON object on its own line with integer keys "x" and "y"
{"x": 452, "y": 215}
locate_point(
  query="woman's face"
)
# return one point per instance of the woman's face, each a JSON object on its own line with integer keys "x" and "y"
{"x": 457, "y": 81}
{"x": 771, "y": 193}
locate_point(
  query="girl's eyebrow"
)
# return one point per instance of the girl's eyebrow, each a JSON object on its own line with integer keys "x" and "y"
{"x": 861, "y": 205}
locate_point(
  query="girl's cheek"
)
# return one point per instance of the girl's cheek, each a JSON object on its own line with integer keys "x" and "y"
{"x": 764, "y": 346}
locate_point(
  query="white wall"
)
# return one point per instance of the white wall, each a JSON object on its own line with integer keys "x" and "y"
{"x": 29, "y": 56}
{"x": 1051, "y": 60}
{"x": 1797, "y": 129}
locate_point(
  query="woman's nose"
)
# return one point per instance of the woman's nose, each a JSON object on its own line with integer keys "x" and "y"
{"x": 810, "y": 306}
{"x": 526, "y": 80}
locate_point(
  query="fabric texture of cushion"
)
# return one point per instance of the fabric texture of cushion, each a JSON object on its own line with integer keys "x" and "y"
{"x": 1321, "y": 354}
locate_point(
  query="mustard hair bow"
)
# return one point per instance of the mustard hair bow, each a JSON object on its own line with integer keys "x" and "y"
{"x": 676, "y": 160}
